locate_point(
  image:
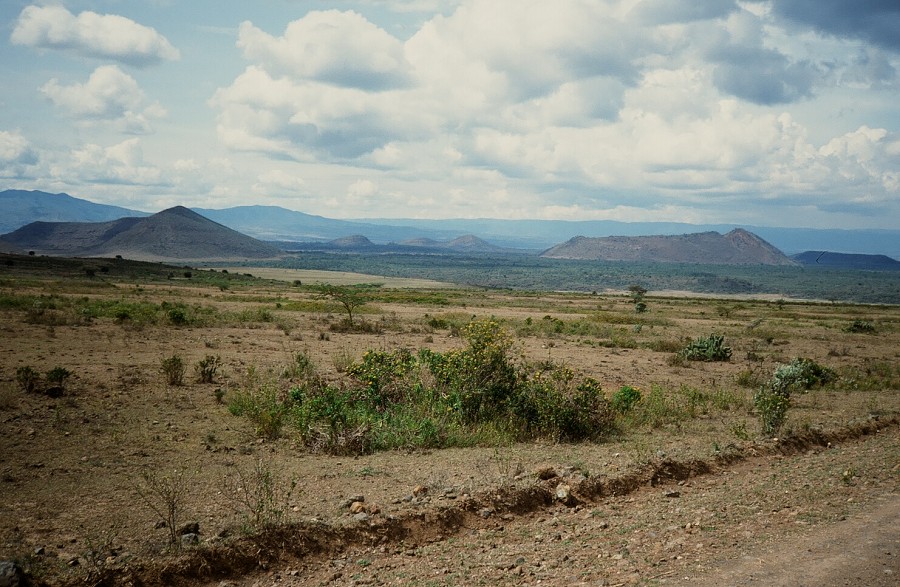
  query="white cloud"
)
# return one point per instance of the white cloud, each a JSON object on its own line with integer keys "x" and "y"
{"x": 278, "y": 182}
{"x": 109, "y": 95}
{"x": 103, "y": 36}
{"x": 122, "y": 163}
{"x": 342, "y": 48}
{"x": 18, "y": 157}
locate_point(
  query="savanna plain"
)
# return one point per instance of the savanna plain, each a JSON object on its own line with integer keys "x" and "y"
{"x": 168, "y": 425}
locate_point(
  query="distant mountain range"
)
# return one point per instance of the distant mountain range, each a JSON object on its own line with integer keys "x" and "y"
{"x": 176, "y": 234}
{"x": 21, "y": 207}
{"x": 738, "y": 247}
{"x": 272, "y": 223}
{"x": 847, "y": 261}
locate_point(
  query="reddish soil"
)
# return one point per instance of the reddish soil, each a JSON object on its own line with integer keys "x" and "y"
{"x": 680, "y": 503}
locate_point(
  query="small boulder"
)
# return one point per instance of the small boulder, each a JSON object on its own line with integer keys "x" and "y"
{"x": 357, "y": 506}
{"x": 190, "y": 539}
{"x": 564, "y": 495}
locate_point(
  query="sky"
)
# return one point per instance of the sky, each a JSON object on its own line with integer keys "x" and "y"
{"x": 772, "y": 113}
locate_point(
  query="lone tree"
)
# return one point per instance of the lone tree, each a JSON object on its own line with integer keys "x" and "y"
{"x": 637, "y": 296}
{"x": 349, "y": 297}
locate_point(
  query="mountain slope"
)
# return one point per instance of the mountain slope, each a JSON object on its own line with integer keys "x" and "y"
{"x": 21, "y": 207}
{"x": 173, "y": 234}
{"x": 738, "y": 247}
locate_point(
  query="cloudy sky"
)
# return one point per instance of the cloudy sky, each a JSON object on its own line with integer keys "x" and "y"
{"x": 778, "y": 113}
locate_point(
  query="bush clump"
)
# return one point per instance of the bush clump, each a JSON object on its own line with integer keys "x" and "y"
{"x": 860, "y": 326}
{"x": 206, "y": 368}
{"x": 173, "y": 370}
{"x": 624, "y": 399}
{"x": 481, "y": 392}
{"x": 707, "y": 348}
{"x": 773, "y": 399}
{"x": 28, "y": 379}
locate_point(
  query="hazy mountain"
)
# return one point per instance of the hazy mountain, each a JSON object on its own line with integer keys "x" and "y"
{"x": 21, "y": 207}
{"x": 738, "y": 247}
{"x": 847, "y": 261}
{"x": 542, "y": 234}
{"x": 356, "y": 241}
{"x": 173, "y": 234}
{"x": 273, "y": 223}
{"x": 468, "y": 243}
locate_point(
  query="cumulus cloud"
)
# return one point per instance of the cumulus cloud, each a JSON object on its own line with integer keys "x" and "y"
{"x": 102, "y": 36}
{"x": 341, "y": 48}
{"x": 109, "y": 95}
{"x": 17, "y": 156}
{"x": 679, "y": 105}
{"x": 122, "y": 163}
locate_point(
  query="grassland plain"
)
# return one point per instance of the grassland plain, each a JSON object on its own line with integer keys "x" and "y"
{"x": 675, "y": 485}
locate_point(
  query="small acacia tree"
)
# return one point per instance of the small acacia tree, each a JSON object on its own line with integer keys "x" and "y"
{"x": 637, "y": 296}
{"x": 348, "y": 297}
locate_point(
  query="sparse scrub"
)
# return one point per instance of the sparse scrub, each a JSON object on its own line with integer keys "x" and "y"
{"x": 28, "y": 379}
{"x": 707, "y": 348}
{"x": 773, "y": 399}
{"x": 262, "y": 404}
{"x": 165, "y": 494}
{"x": 260, "y": 494}
{"x": 206, "y": 368}
{"x": 860, "y": 326}
{"x": 625, "y": 398}
{"x": 173, "y": 370}
{"x": 58, "y": 376}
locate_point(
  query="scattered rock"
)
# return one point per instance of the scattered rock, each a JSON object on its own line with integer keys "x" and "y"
{"x": 420, "y": 490}
{"x": 486, "y": 512}
{"x": 190, "y": 539}
{"x": 564, "y": 495}
{"x": 546, "y": 473}
{"x": 357, "y": 507}
{"x": 351, "y": 500}
{"x": 672, "y": 493}
{"x": 362, "y": 517}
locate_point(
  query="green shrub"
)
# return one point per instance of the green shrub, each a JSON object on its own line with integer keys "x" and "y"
{"x": 549, "y": 405}
{"x": 173, "y": 370}
{"x": 707, "y": 348}
{"x": 378, "y": 369}
{"x": 801, "y": 375}
{"x": 772, "y": 405}
{"x": 479, "y": 379}
{"x": 58, "y": 376}
{"x": 773, "y": 400}
{"x": 624, "y": 399}
{"x": 206, "y": 368}
{"x": 261, "y": 404}
{"x": 860, "y": 326}
{"x": 28, "y": 379}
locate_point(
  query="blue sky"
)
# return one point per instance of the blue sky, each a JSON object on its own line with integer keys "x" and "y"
{"x": 777, "y": 113}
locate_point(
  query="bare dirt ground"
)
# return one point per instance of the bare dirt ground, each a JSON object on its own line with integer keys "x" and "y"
{"x": 702, "y": 498}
